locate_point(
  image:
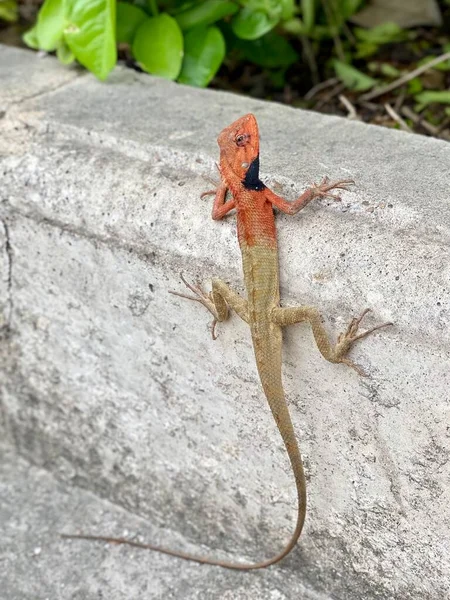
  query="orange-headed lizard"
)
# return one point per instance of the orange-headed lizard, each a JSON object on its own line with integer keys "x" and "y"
{"x": 254, "y": 204}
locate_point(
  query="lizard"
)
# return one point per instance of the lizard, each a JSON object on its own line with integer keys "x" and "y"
{"x": 254, "y": 204}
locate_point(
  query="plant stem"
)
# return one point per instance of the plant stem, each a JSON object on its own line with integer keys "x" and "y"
{"x": 153, "y": 7}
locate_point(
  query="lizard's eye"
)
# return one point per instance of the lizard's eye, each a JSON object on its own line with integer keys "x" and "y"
{"x": 241, "y": 139}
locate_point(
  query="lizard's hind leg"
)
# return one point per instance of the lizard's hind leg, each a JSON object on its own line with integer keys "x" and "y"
{"x": 218, "y": 301}
{"x": 336, "y": 353}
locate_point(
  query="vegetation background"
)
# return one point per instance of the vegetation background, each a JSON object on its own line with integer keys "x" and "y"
{"x": 382, "y": 61}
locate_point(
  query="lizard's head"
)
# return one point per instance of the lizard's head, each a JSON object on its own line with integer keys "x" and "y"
{"x": 239, "y": 148}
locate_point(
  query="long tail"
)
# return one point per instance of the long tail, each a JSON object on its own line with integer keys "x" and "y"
{"x": 281, "y": 414}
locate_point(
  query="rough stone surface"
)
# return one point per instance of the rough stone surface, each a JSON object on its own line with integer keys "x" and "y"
{"x": 37, "y": 563}
{"x": 24, "y": 79}
{"x": 117, "y": 390}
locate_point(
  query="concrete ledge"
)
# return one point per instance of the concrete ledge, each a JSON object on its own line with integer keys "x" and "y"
{"x": 116, "y": 388}
{"x": 36, "y": 563}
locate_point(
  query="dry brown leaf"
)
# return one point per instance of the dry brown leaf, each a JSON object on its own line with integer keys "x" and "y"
{"x": 405, "y": 13}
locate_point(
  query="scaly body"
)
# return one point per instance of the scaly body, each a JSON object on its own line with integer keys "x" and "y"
{"x": 254, "y": 203}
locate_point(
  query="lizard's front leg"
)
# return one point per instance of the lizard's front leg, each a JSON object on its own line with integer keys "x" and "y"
{"x": 221, "y": 206}
{"x": 336, "y": 353}
{"x": 218, "y": 301}
{"x": 322, "y": 190}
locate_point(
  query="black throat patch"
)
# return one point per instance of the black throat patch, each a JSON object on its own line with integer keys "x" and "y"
{"x": 251, "y": 180}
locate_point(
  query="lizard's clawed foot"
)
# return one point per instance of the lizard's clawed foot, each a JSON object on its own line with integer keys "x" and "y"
{"x": 349, "y": 337}
{"x": 208, "y": 193}
{"x": 211, "y": 180}
{"x": 323, "y": 189}
{"x": 203, "y": 298}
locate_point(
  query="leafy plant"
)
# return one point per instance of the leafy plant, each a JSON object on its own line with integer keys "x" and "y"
{"x": 256, "y": 18}
{"x": 81, "y": 29}
{"x": 431, "y": 97}
{"x": 204, "y": 51}
{"x": 8, "y": 10}
{"x": 270, "y": 51}
{"x": 180, "y": 42}
{"x": 189, "y": 40}
{"x": 158, "y": 46}
{"x": 369, "y": 40}
{"x": 128, "y": 19}
{"x": 352, "y": 78}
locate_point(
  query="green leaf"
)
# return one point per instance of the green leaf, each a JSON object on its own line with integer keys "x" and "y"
{"x": 288, "y": 9}
{"x": 158, "y": 46}
{"x": 65, "y": 54}
{"x": 415, "y": 86}
{"x": 352, "y": 78}
{"x": 128, "y": 20}
{"x": 385, "y": 69}
{"x": 30, "y": 38}
{"x": 9, "y": 11}
{"x": 386, "y": 33}
{"x": 389, "y": 70}
{"x": 347, "y": 8}
{"x": 365, "y": 49}
{"x": 144, "y": 6}
{"x": 250, "y": 24}
{"x": 205, "y": 13}
{"x": 431, "y": 97}
{"x": 50, "y": 25}
{"x": 270, "y": 51}
{"x": 277, "y": 78}
{"x": 322, "y": 32}
{"x": 308, "y": 14}
{"x": 90, "y": 34}
{"x": 337, "y": 12}
{"x": 442, "y": 66}
{"x": 153, "y": 8}
{"x": 294, "y": 26}
{"x": 204, "y": 51}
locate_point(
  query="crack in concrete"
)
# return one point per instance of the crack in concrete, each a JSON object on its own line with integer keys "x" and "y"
{"x": 9, "y": 256}
{"x": 148, "y": 253}
{"x": 44, "y": 92}
{"x": 49, "y": 90}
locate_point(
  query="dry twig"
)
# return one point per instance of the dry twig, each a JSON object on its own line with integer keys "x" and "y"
{"x": 330, "y": 16}
{"x": 352, "y": 114}
{"x": 399, "y": 101}
{"x": 405, "y": 78}
{"x": 308, "y": 53}
{"x": 418, "y": 120}
{"x": 445, "y": 123}
{"x": 397, "y": 118}
{"x": 340, "y": 87}
{"x": 323, "y": 85}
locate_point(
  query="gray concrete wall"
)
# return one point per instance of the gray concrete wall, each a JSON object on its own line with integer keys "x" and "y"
{"x": 116, "y": 389}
